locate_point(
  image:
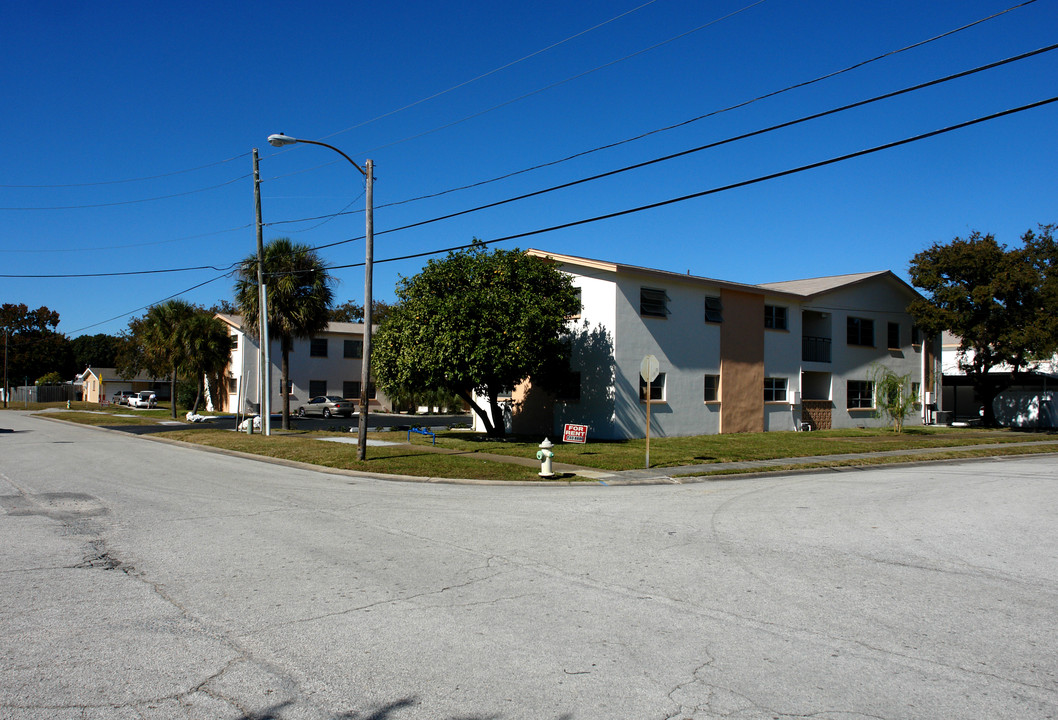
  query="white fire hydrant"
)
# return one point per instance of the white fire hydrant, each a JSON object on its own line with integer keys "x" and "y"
{"x": 544, "y": 455}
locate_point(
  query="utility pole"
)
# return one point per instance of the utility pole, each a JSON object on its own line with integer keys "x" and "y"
{"x": 6, "y": 333}
{"x": 264, "y": 356}
{"x": 365, "y": 370}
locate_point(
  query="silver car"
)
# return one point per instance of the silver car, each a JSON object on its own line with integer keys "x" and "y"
{"x": 327, "y": 405}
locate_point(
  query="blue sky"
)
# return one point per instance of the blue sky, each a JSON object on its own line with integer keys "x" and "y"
{"x": 129, "y": 128}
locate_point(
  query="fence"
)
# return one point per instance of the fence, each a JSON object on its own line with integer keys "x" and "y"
{"x": 42, "y": 393}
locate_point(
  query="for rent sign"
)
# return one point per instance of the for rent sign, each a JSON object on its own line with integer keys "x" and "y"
{"x": 575, "y": 433}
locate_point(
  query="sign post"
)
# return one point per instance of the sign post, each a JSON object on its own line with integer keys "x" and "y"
{"x": 648, "y": 370}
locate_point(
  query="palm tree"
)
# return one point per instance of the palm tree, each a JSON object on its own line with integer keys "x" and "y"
{"x": 300, "y": 295}
{"x": 159, "y": 337}
{"x": 206, "y": 351}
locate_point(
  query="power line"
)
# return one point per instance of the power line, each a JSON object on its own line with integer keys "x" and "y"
{"x": 708, "y": 146}
{"x": 491, "y": 72}
{"x": 684, "y": 123}
{"x": 145, "y": 307}
{"x": 133, "y": 202}
{"x": 129, "y": 180}
{"x": 712, "y": 191}
{"x": 651, "y": 206}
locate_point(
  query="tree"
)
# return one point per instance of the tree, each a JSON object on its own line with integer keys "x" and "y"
{"x": 353, "y": 312}
{"x": 300, "y": 295}
{"x": 155, "y": 343}
{"x": 894, "y": 396}
{"x": 95, "y": 351}
{"x": 475, "y": 322}
{"x": 1002, "y": 303}
{"x": 206, "y": 352}
{"x": 34, "y": 348}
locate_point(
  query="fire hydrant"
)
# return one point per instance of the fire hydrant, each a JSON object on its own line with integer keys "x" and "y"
{"x": 544, "y": 455}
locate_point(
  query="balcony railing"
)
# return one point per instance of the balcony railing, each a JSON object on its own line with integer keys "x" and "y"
{"x": 815, "y": 349}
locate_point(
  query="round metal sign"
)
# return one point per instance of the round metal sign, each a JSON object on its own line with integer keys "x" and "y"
{"x": 649, "y": 369}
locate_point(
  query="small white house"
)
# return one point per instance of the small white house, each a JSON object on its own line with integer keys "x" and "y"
{"x": 733, "y": 357}
{"x": 328, "y": 364}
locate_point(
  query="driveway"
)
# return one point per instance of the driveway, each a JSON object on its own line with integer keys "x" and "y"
{"x": 183, "y": 584}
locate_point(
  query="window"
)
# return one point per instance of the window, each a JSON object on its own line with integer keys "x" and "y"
{"x": 351, "y": 389}
{"x": 653, "y": 302}
{"x": 774, "y": 389}
{"x": 318, "y": 348}
{"x": 234, "y": 341}
{"x": 712, "y": 388}
{"x": 916, "y": 335}
{"x": 354, "y": 348}
{"x": 860, "y": 394}
{"x": 317, "y": 388}
{"x": 233, "y": 386}
{"x": 580, "y": 305}
{"x": 774, "y": 317}
{"x": 894, "y": 336}
{"x": 916, "y": 392}
{"x": 713, "y": 310}
{"x": 657, "y": 388}
{"x": 290, "y": 387}
{"x": 860, "y": 331}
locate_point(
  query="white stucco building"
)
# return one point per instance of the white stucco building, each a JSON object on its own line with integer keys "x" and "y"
{"x": 328, "y": 364}
{"x": 733, "y": 357}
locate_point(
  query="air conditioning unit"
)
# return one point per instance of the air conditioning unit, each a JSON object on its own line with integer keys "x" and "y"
{"x": 795, "y": 397}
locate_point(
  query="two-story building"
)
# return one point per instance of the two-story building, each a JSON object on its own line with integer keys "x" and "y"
{"x": 732, "y": 357}
{"x": 327, "y": 364}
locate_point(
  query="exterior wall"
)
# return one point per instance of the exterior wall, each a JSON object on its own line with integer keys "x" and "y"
{"x": 687, "y": 348}
{"x": 334, "y": 369}
{"x": 782, "y": 359}
{"x": 742, "y": 363}
{"x": 882, "y": 302}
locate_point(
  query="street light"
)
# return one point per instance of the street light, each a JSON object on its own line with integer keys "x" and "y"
{"x": 279, "y": 140}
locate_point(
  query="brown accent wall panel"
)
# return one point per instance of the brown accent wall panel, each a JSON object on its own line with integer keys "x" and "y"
{"x": 742, "y": 363}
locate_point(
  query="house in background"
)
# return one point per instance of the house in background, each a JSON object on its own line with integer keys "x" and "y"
{"x": 328, "y": 364}
{"x": 733, "y": 357}
{"x": 1030, "y": 399}
{"x": 98, "y": 384}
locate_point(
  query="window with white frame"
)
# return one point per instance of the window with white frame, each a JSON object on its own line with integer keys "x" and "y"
{"x": 774, "y": 389}
{"x": 657, "y": 388}
{"x": 860, "y": 394}
{"x": 775, "y": 317}
{"x": 712, "y": 388}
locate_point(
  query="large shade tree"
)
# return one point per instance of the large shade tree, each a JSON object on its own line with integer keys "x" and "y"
{"x": 300, "y": 295}
{"x": 33, "y": 346}
{"x": 1001, "y": 302}
{"x": 476, "y": 323}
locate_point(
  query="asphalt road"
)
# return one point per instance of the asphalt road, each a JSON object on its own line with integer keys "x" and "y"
{"x": 144, "y": 580}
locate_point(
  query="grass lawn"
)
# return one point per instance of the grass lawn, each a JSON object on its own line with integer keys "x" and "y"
{"x": 463, "y": 454}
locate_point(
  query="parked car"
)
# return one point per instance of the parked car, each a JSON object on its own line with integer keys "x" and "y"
{"x": 144, "y": 399}
{"x": 121, "y": 397}
{"x": 327, "y": 405}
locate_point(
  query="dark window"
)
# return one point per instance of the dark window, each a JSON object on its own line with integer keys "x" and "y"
{"x": 894, "y": 336}
{"x": 657, "y": 388}
{"x": 580, "y": 305}
{"x": 712, "y": 388}
{"x": 354, "y": 348}
{"x": 775, "y": 317}
{"x": 234, "y": 341}
{"x": 317, "y": 387}
{"x": 290, "y": 387}
{"x": 351, "y": 389}
{"x": 860, "y": 394}
{"x": 861, "y": 331}
{"x": 774, "y": 389}
{"x": 713, "y": 310}
{"x": 233, "y": 385}
{"x": 318, "y": 347}
{"x": 653, "y": 302}
{"x": 916, "y": 335}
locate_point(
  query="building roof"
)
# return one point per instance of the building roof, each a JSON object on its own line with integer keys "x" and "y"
{"x": 336, "y": 328}
{"x": 801, "y": 288}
